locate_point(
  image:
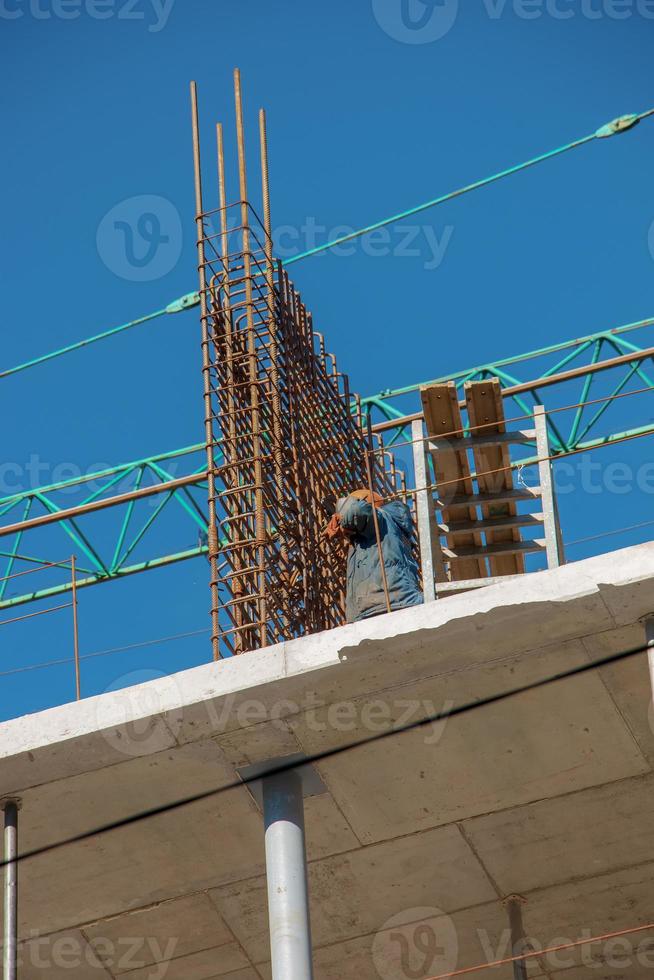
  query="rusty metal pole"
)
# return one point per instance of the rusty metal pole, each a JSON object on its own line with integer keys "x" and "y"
{"x": 226, "y": 309}
{"x": 206, "y": 375}
{"x": 260, "y": 518}
{"x": 73, "y": 579}
{"x": 375, "y": 518}
{"x": 272, "y": 331}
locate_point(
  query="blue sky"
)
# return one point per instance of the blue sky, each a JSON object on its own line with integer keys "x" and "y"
{"x": 366, "y": 117}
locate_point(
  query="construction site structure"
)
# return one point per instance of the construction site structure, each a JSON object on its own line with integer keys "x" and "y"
{"x": 284, "y": 434}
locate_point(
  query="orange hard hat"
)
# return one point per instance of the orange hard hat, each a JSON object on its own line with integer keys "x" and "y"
{"x": 368, "y": 497}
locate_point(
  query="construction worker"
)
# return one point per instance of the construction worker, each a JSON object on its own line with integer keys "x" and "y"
{"x": 353, "y": 523}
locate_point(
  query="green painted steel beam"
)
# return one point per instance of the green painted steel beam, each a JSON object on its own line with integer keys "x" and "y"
{"x": 130, "y": 535}
{"x": 520, "y": 358}
{"x": 84, "y": 583}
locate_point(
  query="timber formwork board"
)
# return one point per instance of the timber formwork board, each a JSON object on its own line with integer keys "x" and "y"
{"x": 493, "y": 466}
{"x": 452, "y": 475}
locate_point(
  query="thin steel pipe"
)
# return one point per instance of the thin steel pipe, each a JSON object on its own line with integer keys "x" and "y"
{"x": 37, "y": 568}
{"x": 10, "y": 945}
{"x": 40, "y": 612}
{"x": 375, "y": 518}
{"x": 78, "y": 679}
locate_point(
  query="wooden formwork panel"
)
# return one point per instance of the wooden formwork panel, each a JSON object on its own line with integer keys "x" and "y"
{"x": 492, "y": 464}
{"x": 452, "y": 471}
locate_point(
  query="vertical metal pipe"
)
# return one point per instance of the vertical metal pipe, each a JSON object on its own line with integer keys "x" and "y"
{"x": 550, "y": 514}
{"x": 206, "y": 375}
{"x": 286, "y": 871}
{"x": 78, "y": 679}
{"x": 260, "y": 520}
{"x": 10, "y": 949}
{"x": 430, "y": 549}
{"x": 649, "y": 635}
{"x": 514, "y": 905}
{"x": 375, "y": 519}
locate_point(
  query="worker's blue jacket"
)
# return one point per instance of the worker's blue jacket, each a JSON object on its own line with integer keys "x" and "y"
{"x": 365, "y": 589}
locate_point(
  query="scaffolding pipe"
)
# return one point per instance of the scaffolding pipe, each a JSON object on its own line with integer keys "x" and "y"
{"x": 10, "y": 947}
{"x": 649, "y": 634}
{"x": 286, "y": 871}
{"x": 514, "y": 905}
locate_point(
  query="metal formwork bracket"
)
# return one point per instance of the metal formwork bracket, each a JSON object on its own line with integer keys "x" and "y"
{"x": 553, "y": 539}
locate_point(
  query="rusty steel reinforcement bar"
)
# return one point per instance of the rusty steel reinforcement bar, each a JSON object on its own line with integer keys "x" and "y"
{"x": 206, "y": 372}
{"x": 280, "y": 421}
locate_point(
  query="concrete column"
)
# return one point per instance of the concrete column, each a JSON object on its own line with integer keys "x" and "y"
{"x": 286, "y": 870}
{"x": 10, "y": 947}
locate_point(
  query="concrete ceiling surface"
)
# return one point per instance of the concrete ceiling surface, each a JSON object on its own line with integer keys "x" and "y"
{"x": 417, "y": 838}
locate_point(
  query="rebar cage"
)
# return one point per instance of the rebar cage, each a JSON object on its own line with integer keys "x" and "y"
{"x": 284, "y": 434}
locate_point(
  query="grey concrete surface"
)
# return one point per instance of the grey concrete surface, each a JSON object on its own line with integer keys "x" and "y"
{"x": 416, "y": 839}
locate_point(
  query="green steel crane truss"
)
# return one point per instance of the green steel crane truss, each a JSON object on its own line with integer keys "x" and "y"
{"x": 111, "y": 550}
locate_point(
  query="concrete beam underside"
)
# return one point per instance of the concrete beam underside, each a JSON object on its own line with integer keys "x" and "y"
{"x": 548, "y": 795}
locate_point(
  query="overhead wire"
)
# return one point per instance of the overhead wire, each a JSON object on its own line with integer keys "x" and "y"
{"x": 316, "y": 757}
{"x": 105, "y": 653}
{"x": 193, "y": 299}
{"x": 184, "y": 302}
{"x": 608, "y": 534}
{"x": 630, "y": 121}
{"x": 520, "y": 957}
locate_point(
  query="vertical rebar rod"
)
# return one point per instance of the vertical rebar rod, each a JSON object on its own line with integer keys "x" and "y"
{"x": 237, "y": 585}
{"x": 272, "y": 329}
{"x": 206, "y": 375}
{"x": 10, "y": 948}
{"x": 375, "y": 518}
{"x": 260, "y": 520}
{"x": 78, "y": 677}
{"x": 286, "y": 872}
